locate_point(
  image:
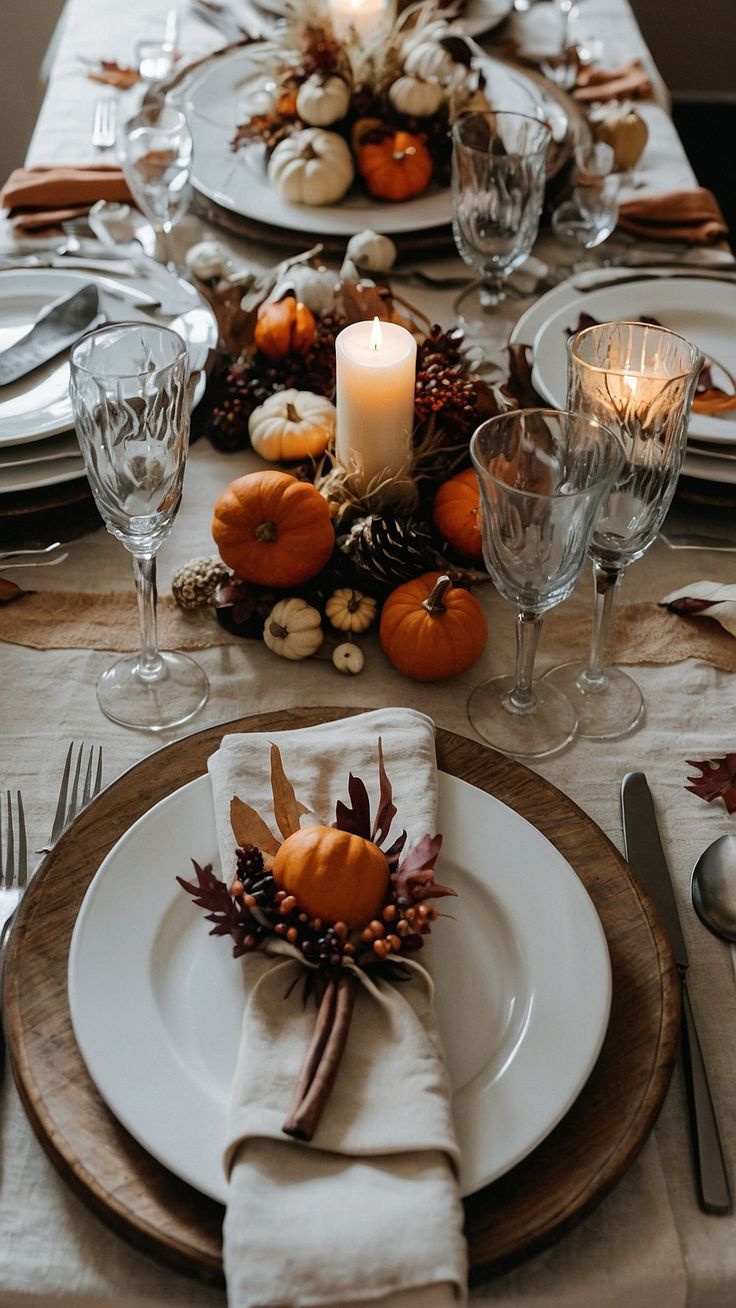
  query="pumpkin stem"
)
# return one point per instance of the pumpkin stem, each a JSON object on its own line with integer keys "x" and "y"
{"x": 434, "y": 602}
{"x": 277, "y": 631}
{"x": 266, "y": 531}
{"x": 291, "y": 414}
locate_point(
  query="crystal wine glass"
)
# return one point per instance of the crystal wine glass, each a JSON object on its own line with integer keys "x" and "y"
{"x": 543, "y": 475}
{"x": 498, "y": 177}
{"x": 639, "y": 380}
{"x": 156, "y": 155}
{"x": 129, "y": 392}
{"x": 590, "y": 216}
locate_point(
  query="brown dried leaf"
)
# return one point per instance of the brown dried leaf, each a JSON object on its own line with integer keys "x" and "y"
{"x": 111, "y": 73}
{"x": 286, "y": 807}
{"x": 9, "y": 591}
{"x": 249, "y": 828}
{"x": 386, "y": 808}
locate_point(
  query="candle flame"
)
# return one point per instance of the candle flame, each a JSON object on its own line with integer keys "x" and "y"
{"x": 376, "y": 340}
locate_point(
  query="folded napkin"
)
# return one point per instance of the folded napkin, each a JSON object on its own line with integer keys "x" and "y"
{"x": 368, "y": 1212}
{"x": 46, "y": 196}
{"x": 693, "y": 216}
{"x": 705, "y": 599}
{"x": 630, "y": 81}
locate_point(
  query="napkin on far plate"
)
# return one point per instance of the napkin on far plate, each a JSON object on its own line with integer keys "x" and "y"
{"x": 38, "y": 198}
{"x": 705, "y": 599}
{"x": 369, "y": 1212}
{"x": 693, "y": 216}
{"x": 630, "y": 81}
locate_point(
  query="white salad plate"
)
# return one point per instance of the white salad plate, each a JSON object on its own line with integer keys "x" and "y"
{"x": 520, "y": 962}
{"x": 38, "y": 405}
{"x": 218, "y": 96}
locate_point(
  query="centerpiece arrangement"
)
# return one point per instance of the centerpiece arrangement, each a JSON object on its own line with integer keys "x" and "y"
{"x": 373, "y": 104}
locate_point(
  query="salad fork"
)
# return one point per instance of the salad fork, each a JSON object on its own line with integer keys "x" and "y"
{"x": 71, "y": 799}
{"x": 13, "y": 876}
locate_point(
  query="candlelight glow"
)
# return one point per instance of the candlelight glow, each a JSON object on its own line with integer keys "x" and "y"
{"x": 376, "y": 340}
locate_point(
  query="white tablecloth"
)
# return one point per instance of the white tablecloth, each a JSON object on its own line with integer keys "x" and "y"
{"x": 647, "y": 1243}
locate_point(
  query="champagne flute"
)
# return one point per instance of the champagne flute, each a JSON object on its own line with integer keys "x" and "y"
{"x": 639, "y": 380}
{"x": 543, "y": 475}
{"x": 156, "y": 156}
{"x": 129, "y": 392}
{"x": 498, "y": 177}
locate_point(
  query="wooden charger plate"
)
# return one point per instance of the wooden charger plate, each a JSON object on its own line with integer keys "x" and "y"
{"x": 533, "y": 1205}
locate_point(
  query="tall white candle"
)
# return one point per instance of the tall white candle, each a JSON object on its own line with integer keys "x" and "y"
{"x": 362, "y": 15}
{"x": 376, "y": 376}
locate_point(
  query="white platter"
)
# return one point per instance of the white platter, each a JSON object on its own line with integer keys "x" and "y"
{"x": 216, "y": 100}
{"x": 38, "y": 405}
{"x": 702, "y": 311}
{"x": 521, "y": 963}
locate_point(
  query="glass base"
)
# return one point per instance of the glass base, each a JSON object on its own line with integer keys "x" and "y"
{"x": 604, "y": 712}
{"x": 481, "y": 309}
{"x": 153, "y": 704}
{"x": 546, "y": 728}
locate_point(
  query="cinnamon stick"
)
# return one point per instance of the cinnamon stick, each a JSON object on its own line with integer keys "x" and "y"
{"x": 319, "y": 1070}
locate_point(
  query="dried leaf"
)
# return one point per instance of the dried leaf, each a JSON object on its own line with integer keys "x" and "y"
{"x": 415, "y": 877}
{"x": 249, "y": 828}
{"x": 520, "y": 387}
{"x": 286, "y": 807}
{"x": 111, "y": 73}
{"x": 718, "y": 780}
{"x": 9, "y": 591}
{"x": 386, "y": 808}
{"x": 230, "y": 916}
{"x": 358, "y": 818}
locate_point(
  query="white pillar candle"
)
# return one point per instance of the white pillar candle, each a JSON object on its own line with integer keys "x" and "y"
{"x": 376, "y": 376}
{"x": 362, "y": 15}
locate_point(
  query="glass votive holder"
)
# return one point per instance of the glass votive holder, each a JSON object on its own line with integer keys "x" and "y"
{"x": 155, "y": 60}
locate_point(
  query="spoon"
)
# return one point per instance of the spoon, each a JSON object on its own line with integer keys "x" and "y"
{"x": 713, "y": 887}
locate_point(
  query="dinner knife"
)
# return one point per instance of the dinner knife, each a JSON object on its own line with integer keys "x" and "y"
{"x": 57, "y": 328}
{"x": 647, "y": 860}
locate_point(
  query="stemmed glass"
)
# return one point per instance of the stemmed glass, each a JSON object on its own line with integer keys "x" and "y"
{"x": 156, "y": 156}
{"x": 543, "y": 475}
{"x": 590, "y": 216}
{"x": 498, "y": 177}
{"x": 639, "y": 380}
{"x": 129, "y": 392}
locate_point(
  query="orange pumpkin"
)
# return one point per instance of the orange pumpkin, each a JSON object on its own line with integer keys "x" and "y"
{"x": 272, "y": 529}
{"x": 456, "y": 514}
{"x": 333, "y": 875}
{"x": 284, "y": 327}
{"x": 432, "y": 630}
{"x": 396, "y": 167}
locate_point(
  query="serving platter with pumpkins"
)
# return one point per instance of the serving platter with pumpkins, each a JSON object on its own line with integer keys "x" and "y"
{"x": 308, "y": 561}
{"x": 326, "y": 136}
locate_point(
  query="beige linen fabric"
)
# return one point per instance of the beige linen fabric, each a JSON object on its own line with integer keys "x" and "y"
{"x": 316, "y": 1224}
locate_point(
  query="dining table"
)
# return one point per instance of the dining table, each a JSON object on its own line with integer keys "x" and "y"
{"x": 646, "y": 1240}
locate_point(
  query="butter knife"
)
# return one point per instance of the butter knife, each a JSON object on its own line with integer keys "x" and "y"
{"x": 646, "y": 859}
{"x": 57, "y": 328}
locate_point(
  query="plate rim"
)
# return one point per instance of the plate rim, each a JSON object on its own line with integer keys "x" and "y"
{"x": 594, "y": 1006}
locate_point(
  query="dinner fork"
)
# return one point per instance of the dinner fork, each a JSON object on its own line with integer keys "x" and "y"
{"x": 13, "y": 876}
{"x": 103, "y": 123}
{"x": 71, "y": 799}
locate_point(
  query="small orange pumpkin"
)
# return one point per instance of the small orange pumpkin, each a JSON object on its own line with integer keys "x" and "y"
{"x": 456, "y": 514}
{"x": 396, "y": 167}
{"x": 272, "y": 529}
{"x": 333, "y": 874}
{"x": 284, "y": 326}
{"x": 432, "y": 630}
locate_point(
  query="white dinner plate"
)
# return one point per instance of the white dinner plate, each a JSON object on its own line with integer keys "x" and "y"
{"x": 520, "y": 960}
{"x": 216, "y": 98}
{"x": 38, "y": 405}
{"x": 704, "y": 312}
{"x": 477, "y": 16}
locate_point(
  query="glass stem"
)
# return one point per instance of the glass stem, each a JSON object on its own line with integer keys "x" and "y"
{"x": 150, "y": 663}
{"x": 166, "y": 250}
{"x": 606, "y": 582}
{"x": 521, "y": 699}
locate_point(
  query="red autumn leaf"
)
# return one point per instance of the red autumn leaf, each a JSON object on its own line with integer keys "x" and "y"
{"x": 229, "y": 915}
{"x": 718, "y": 780}
{"x": 358, "y": 818}
{"x": 415, "y": 877}
{"x": 386, "y": 808}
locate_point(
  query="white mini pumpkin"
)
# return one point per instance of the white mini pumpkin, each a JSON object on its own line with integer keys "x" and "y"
{"x": 348, "y": 658}
{"x": 414, "y": 96}
{"x": 291, "y": 425}
{"x": 371, "y": 251}
{"x": 321, "y": 101}
{"x": 350, "y": 610}
{"x": 293, "y": 629}
{"x": 311, "y": 167}
{"x": 315, "y": 287}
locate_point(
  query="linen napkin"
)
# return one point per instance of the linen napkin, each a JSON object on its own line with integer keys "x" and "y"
{"x": 705, "y": 599}
{"x": 630, "y": 81}
{"x": 48, "y": 195}
{"x": 368, "y": 1212}
{"x": 693, "y": 216}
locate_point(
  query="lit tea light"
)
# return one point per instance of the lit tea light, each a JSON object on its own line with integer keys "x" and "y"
{"x": 362, "y": 15}
{"x": 376, "y": 376}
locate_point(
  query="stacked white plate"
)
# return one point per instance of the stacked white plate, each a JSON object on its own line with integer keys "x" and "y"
{"x": 702, "y": 309}
{"x": 38, "y": 445}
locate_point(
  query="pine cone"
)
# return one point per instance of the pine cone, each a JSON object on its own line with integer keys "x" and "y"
{"x": 194, "y": 584}
{"x": 385, "y": 550}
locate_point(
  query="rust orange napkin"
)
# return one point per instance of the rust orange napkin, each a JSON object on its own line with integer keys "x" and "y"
{"x": 693, "y": 216}
{"x": 628, "y": 82}
{"x": 46, "y": 196}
